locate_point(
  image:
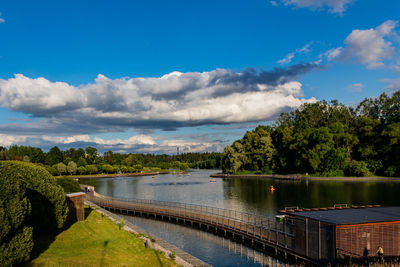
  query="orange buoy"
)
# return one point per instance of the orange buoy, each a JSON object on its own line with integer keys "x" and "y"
{"x": 271, "y": 188}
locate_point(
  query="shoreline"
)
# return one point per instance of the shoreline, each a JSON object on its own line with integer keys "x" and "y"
{"x": 116, "y": 175}
{"x": 297, "y": 177}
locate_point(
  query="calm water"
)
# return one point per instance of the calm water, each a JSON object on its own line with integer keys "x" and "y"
{"x": 252, "y": 196}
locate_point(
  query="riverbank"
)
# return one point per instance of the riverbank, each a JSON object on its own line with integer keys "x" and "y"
{"x": 299, "y": 177}
{"x": 97, "y": 241}
{"x": 181, "y": 257}
{"x": 115, "y": 175}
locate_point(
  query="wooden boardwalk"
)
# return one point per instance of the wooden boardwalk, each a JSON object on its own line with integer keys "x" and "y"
{"x": 263, "y": 232}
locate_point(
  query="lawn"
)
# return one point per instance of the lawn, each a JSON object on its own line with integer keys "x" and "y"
{"x": 98, "y": 242}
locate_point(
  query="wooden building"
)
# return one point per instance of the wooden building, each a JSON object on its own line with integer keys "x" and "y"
{"x": 329, "y": 234}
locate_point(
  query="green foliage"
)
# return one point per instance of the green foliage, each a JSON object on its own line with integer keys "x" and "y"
{"x": 82, "y": 170}
{"x": 45, "y": 195}
{"x": 357, "y": 168}
{"x": 30, "y": 202}
{"x": 15, "y": 208}
{"x": 172, "y": 255}
{"x": 61, "y": 168}
{"x": 91, "y": 169}
{"x": 68, "y": 184}
{"x": 72, "y": 167}
{"x": 327, "y": 139}
{"x": 391, "y": 171}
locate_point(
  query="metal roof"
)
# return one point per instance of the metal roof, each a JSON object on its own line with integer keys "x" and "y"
{"x": 76, "y": 194}
{"x": 353, "y": 215}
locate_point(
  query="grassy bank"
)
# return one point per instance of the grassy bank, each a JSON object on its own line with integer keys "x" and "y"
{"x": 97, "y": 241}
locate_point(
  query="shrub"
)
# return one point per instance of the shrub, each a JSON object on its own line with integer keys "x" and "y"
{"x": 68, "y": 184}
{"x": 172, "y": 255}
{"x": 15, "y": 236}
{"x": 357, "y": 168}
{"x": 49, "y": 209}
{"x": 390, "y": 171}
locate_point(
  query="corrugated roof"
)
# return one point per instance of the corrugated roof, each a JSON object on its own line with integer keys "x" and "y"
{"x": 353, "y": 215}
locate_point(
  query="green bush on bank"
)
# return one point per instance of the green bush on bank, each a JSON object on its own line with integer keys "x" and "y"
{"x": 68, "y": 184}
{"x": 30, "y": 202}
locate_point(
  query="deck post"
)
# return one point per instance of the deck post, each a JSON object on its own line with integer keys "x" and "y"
{"x": 319, "y": 239}
{"x": 307, "y": 237}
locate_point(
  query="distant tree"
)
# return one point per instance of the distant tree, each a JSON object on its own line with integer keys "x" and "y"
{"x": 138, "y": 167}
{"x": 54, "y": 156}
{"x": 82, "y": 162}
{"x": 72, "y": 167}
{"x": 92, "y": 169}
{"x": 61, "y": 168}
{"x": 82, "y": 170}
{"x": 124, "y": 169}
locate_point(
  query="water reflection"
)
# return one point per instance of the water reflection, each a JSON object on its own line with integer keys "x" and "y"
{"x": 210, "y": 248}
{"x": 248, "y": 195}
{"x": 245, "y": 195}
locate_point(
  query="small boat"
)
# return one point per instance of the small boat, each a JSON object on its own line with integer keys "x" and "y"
{"x": 212, "y": 181}
{"x": 153, "y": 177}
{"x": 187, "y": 174}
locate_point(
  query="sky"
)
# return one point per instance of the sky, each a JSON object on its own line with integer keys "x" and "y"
{"x": 151, "y": 76}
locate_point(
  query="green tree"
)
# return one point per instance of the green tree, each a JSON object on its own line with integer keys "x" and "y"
{"x": 61, "y": 168}
{"x": 72, "y": 167}
{"x": 82, "y": 170}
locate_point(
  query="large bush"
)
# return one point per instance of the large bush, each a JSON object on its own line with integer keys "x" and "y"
{"x": 15, "y": 236}
{"x": 30, "y": 199}
{"x": 357, "y": 168}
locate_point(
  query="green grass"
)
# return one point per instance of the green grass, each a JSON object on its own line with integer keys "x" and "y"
{"x": 98, "y": 242}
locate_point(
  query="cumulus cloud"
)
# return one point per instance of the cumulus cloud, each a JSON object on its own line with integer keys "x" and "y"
{"x": 333, "y": 6}
{"x": 371, "y": 47}
{"x": 356, "y": 87}
{"x": 174, "y": 100}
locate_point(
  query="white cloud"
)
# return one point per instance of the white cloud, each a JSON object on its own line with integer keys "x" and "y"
{"x": 173, "y": 100}
{"x": 305, "y": 49}
{"x": 8, "y": 140}
{"x": 274, "y": 3}
{"x": 1, "y": 19}
{"x": 136, "y": 143}
{"x": 334, "y": 53}
{"x": 287, "y": 59}
{"x": 394, "y": 85}
{"x": 372, "y": 48}
{"x": 356, "y": 87}
{"x": 334, "y": 6}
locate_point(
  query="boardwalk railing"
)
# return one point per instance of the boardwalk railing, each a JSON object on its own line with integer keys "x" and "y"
{"x": 256, "y": 228}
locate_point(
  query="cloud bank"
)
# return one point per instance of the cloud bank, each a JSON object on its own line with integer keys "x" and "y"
{"x": 174, "y": 100}
{"x": 135, "y": 144}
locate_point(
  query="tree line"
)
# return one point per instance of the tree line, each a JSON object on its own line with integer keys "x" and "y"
{"x": 326, "y": 139}
{"x": 89, "y": 161}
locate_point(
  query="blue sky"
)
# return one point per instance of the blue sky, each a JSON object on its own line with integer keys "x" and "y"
{"x": 148, "y": 76}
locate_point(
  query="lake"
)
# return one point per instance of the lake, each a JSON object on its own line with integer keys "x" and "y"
{"x": 245, "y": 195}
